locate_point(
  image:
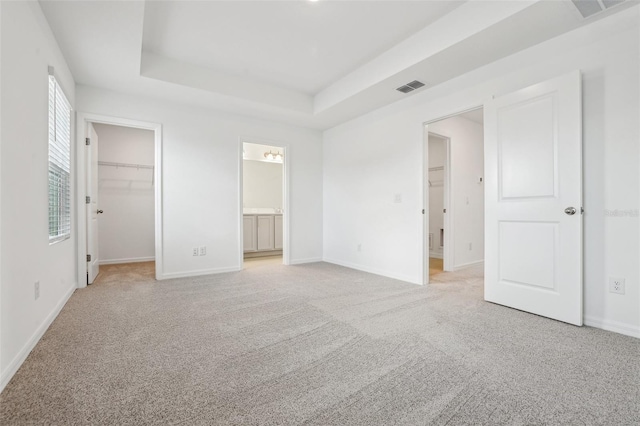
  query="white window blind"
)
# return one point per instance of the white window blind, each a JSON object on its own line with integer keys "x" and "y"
{"x": 59, "y": 163}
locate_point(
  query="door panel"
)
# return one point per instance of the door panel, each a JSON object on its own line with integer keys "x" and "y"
{"x": 533, "y": 171}
{"x": 249, "y": 233}
{"x": 278, "y": 236}
{"x": 527, "y": 149}
{"x": 93, "y": 266}
{"x": 532, "y": 264}
{"x": 265, "y": 232}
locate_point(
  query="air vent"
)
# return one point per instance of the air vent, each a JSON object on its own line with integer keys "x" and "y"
{"x": 410, "y": 87}
{"x": 405, "y": 89}
{"x": 589, "y": 8}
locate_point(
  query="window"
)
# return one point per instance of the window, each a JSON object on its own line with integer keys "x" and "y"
{"x": 59, "y": 163}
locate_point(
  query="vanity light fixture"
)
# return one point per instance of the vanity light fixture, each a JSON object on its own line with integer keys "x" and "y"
{"x": 271, "y": 156}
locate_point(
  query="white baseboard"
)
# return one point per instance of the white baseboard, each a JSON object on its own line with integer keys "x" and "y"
{"x": 198, "y": 272}
{"x": 129, "y": 260}
{"x": 468, "y": 265}
{"x": 307, "y": 260}
{"x": 436, "y": 255}
{"x": 615, "y": 326}
{"x": 375, "y": 271}
{"x": 19, "y": 359}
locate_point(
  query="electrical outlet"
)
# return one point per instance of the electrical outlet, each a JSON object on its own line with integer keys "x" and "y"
{"x": 359, "y": 247}
{"x": 203, "y": 251}
{"x": 36, "y": 290}
{"x": 616, "y": 285}
{"x": 398, "y": 198}
{"x": 470, "y": 246}
{"x": 195, "y": 251}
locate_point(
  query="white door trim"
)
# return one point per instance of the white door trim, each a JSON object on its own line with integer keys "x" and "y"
{"x": 286, "y": 168}
{"x": 81, "y": 240}
{"x": 449, "y": 249}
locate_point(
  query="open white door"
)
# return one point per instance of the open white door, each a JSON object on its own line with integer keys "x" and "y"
{"x": 93, "y": 267}
{"x": 533, "y": 199}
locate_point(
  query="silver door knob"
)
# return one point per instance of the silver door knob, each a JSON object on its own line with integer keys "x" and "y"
{"x": 99, "y": 211}
{"x": 570, "y": 211}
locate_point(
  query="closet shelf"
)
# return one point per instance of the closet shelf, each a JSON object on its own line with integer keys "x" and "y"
{"x": 130, "y": 166}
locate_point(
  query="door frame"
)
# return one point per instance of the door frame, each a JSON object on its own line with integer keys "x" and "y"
{"x": 448, "y": 252}
{"x": 82, "y": 122}
{"x": 286, "y": 173}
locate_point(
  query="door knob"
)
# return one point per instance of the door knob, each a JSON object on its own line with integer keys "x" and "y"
{"x": 570, "y": 211}
{"x": 99, "y": 211}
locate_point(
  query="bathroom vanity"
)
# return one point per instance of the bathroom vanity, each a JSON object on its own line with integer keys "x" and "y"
{"x": 262, "y": 234}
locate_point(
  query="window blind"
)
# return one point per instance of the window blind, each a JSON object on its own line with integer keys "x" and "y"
{"x": 59, "y": 163}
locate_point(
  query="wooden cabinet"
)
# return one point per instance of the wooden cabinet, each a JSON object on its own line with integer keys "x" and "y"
{"x": 249, "y": 233}
{"x": 262, "y": 233}
{"x": 265, "y": 233}
{"x": 277, "y": 227}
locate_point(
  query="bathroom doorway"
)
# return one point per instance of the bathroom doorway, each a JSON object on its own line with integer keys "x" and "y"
{"x": 264, "y": 212}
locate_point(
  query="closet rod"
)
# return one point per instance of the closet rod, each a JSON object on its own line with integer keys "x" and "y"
{"x": 133, "y": 166}
{"x": 435, "y": 169}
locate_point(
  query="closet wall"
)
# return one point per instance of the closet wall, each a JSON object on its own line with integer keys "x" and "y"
{"x": 125, "y": 195}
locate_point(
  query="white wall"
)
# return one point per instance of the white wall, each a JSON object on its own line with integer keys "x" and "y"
{"x": 201, "y": 186}
{"x": 126, "y": 195}
{"x": 371, "y": 158}
{"x": 467, "y": 194}
{"x": 437, "y": 158}
{"x": 28, "y": 48}
{"x": 262, "y": 184}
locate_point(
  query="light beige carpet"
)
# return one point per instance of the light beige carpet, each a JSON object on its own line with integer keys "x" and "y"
{"x": 317, "y": 344}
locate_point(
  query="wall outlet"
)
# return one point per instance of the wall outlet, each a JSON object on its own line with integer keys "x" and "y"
{"x": 36, "y": 290}
{"x": 616, "y": 285}
{"x": 397, "y": 198}
{"x": 203, "y": 251}
{"x": 359, "y": 247}
{"x": 195, "y": 251}
{"x": 470, "y": 246}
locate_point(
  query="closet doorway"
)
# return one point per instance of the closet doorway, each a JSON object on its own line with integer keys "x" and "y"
{"x": 119, "y": 197}
{"x": 264, "y": 209}
{"x": 438, "y": 185}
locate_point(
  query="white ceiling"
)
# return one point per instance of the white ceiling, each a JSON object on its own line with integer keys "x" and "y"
{"x": 298, "y": 45}
{"x": 311, "y": 64}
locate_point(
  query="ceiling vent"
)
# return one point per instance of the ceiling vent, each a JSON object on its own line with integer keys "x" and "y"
{"x": 410, "y": 87}
{"x": 589, "y": 8}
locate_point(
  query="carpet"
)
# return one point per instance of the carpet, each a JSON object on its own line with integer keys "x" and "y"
{"x": 316, "y": 344}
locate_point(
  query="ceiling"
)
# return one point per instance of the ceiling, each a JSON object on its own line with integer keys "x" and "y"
{"x": 297, "y": 45}
{"x": 312, "y": 64}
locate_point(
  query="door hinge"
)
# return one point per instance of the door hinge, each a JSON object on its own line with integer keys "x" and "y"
{"x": 581, "y": 210}
{"x": 88, "y": 258}
{"x": 422, "y": 211}
{"x": 87, "y": 199}
{"x": 87, "y": 141}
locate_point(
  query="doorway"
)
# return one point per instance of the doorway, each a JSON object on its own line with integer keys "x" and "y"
{"x": 438, "y": 185}
{"x": 119, "y": 187}
{"x": 263, "y": 195}
{"x": 454, "y": 194}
